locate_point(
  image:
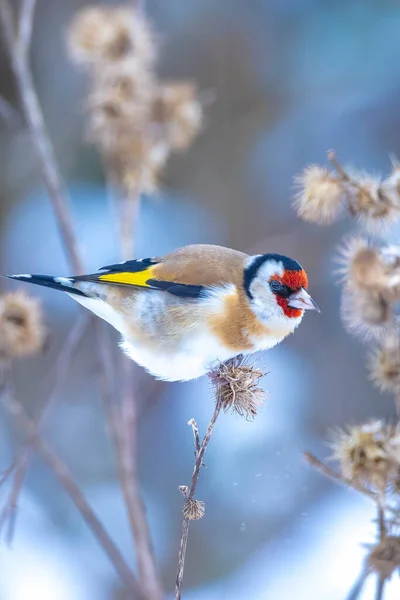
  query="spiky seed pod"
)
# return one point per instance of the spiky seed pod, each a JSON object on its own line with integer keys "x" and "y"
{"x": 238, "y": 386}
{"x": 371, "y": 204}
{"x": 384, "y": 558}
{"x": 177, "y": 114}
{"x": 194, "y": 509}
{"x": 391, "y": 185}
{"x": 119, "y": 101}
{"x": 320, "y": 195}
{"x": 384, "y": 363}
{"x": 365, "y": 313}
{"x": 22, "y": 332}
{"x": 369, "y": 454}
{"x": 100, "y": 34}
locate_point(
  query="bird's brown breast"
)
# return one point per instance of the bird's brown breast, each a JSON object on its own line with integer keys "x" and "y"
{"x": 236, "y": 326}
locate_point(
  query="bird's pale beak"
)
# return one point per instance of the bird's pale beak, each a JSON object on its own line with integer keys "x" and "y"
{"x": 302, "y": 300}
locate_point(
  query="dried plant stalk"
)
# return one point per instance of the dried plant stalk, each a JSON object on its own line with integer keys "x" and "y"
{"x": 65, "y": 478}
{"x": 236, "y": 384}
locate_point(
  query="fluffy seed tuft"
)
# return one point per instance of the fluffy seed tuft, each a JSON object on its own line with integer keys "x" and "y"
{"x": 22, "y": 332}
{"x": 384, "y": 363}
{"x": 238, "y": 386}
{"x": 384, "y": 558}
{"x": 98, "y": 34}
{"x": 194, "y": 509}
{"x": 177, "y": 114}
{"x": 365, "y": 313}
{"x": 369, "y": 454}
{"x": 319, "y": 197}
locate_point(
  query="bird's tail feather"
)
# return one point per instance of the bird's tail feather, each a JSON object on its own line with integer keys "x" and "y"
{"x": 63, "y": 284}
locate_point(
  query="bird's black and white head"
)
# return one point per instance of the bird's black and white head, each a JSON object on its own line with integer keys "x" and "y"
{"x": 276, "y": 289}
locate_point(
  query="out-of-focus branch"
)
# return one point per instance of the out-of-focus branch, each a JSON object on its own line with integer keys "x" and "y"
{"x": 18, "y": 46}
{"x": 190, "y": 493}
{"x": 9, "y": 115}
{"x": 332, "y": 474}
{"x": 65, "y": 478}
{"x": 21, "y": 463}
{"x": 380, "y": 588}
{"x": 25, "y": 25}
{"x": 358, "y": 586}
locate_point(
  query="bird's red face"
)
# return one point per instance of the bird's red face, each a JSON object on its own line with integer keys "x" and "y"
{"x": 295, "y": 282}
{"x": 276, "y": 286}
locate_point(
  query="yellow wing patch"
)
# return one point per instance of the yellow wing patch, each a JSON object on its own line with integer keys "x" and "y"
{"x": 139, "y": 278}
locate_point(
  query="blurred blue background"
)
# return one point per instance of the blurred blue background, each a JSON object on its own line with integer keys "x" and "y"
{"x": 292, "y": 79}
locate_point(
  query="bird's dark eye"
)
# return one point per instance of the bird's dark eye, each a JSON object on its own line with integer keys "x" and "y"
{"x": 280, "y": 288}
{"x": 276, "y": 286}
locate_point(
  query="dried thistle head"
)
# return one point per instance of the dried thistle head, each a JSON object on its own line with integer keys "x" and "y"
{"x": 194, "y": 509}
{"x": 366, "y": 313}
{"x": 101, "y": 34}
{"x": 320, "y": 195}
{"x": 361, "y": 265}
{"x": 176, "y": 114}
{"x": 384, "y": 363}
{"x": 119, "y": 99}
{"x": 371, "y": 203}
{"x": 21, "y": 326}
{"x": 384, "y": 558}
{"x": 369, "y": 454}
{"x": 137, "y": 161}
{"x": 238, "y": 386}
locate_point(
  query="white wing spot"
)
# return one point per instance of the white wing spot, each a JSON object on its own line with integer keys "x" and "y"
{"x": 64, "y": 281}
{"x": 24, "y": 275}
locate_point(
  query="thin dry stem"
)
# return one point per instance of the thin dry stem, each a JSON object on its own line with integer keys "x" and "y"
{"x": 19, "y": 60}
{"x": 358, "y": 586}
{"x": 21, "y": 463}
{"x": 195, "y": 476}
{"x": 332, "y": 474}
{"x": 66, "y": 480}
{"x": 380, "y": 588}
{"x": 128, "y": 465}
{"x": 18, "y": 52}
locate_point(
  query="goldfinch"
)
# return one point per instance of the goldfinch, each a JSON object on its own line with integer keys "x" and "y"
{"x": 182, "y": 314}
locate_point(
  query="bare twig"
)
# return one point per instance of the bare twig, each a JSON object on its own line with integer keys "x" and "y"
{"x": 328, "y": 472}
{"x": 196, "y": 437}
{"x": 18, "y": 53}
{"x": 65, "y": 478}
{"x": 20, "y": 464}
{"x": 380, "y": 588}
{"x": 128, "y": 464}
{"x": 25, "y": 25}
{"x": 9, "y": 114}
{"x": 358, "y": 586}
{"x": 195, "y": 476}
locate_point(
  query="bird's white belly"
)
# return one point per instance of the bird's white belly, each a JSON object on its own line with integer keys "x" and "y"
{"x": 191, "y": 359}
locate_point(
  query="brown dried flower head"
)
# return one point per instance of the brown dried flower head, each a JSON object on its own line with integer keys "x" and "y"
{"x": 372, "y": 204}
{"x": 384, "y": 363}
{"x": 320, "y": 195}
{"x": 361, "y": 265}
{"x": 101, "y": 34}
{"x": 238, "y": 386}
{"x": 384, "y": 558}
{"x": 176, "y": 114}
{"x": 119, "y": 100}
{"x": 21, "y": 327}
{"x": 369, "y": 454}
{"x": 194, "y": 509}
{"x": 365, "y": 313}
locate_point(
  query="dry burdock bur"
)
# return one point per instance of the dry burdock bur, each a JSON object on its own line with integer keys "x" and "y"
{"x": 368, "y": 455}
{"x": 323, "y": 194}
{"x": 238, "y": 385}
{"x": 22, "y": 331}
{"x": 135, "y": 119}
